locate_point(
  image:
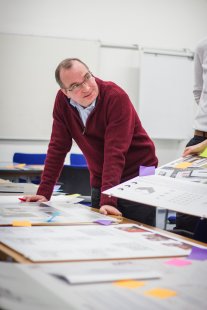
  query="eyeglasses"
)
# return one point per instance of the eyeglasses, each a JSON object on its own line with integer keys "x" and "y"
{"x": 78, "y": 86}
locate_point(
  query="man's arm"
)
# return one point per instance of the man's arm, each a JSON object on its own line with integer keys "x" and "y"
{"x": 117, "y": 140}
{"x": 59, "y": 146}
{"x": 34, "y": 198}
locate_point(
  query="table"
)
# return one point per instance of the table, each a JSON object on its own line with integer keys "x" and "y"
{"x": 12, "y": 171}
{"x": 8, "y": 254}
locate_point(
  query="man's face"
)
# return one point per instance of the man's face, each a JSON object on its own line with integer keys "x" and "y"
{"x": 79, "y": 84}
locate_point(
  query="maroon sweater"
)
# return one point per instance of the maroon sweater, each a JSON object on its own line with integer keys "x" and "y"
{"x": 113, "y": 141}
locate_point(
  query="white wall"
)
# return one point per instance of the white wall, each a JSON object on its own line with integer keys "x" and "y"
{"x": 173, "y": 24}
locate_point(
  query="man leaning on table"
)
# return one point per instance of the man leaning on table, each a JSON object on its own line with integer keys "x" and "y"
{"x": 100, "y": 117}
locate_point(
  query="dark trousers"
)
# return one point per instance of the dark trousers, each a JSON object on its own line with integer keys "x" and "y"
{"x": 131, "y": 210}
{"x": 185, "y": 221}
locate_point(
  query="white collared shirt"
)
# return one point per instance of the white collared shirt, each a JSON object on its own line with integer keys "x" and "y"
{"x": 83, "y": 112}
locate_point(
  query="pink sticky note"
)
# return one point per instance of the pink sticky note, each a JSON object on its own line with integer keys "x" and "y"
{"x": 178, "y": 262}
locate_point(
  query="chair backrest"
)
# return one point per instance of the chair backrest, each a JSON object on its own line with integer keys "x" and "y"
{"x": 201, "y": 230}
{"x": 29, "y": 159}
{"x": 78, "y": 160}
{"x": 75, "y": 180}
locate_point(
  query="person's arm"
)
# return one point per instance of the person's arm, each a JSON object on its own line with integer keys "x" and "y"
{"x": 198, "y": 76}
{"x": 34, "y": 198}
{"x": 59, "y": 146}
{"x": 195, "y": 149}
{"x": 123, "y": 131}
{"x": 117, "y": 139}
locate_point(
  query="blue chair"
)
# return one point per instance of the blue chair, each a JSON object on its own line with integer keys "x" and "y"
{"x": 172, "y": 219}
{"x": 29, "y": 159}
{"x": 78, "y": 160}
{"x": 169, "y": 219}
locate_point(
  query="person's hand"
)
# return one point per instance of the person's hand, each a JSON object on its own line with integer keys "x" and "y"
{"x": 194, "y": 149}
{"x": 34, "y": 198}
{"x": 106, "y": 209}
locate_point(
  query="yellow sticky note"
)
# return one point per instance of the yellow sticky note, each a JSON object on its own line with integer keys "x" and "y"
{"x": 73, "y": 195}
{"x": 204, "y": 153}
{"x": 21, "y": 223}
{"x": 129, "y": 283}
{"x": 160, "y": 293}
{"x": 20, "y": 165}
{"x": 183, "y": 165}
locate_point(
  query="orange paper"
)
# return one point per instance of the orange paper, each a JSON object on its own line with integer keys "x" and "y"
{"x": 183, "y": 165}
{"x": 160, "y": 293}
{"x": 129, "y": 283}
{"x": 21, "y": 223}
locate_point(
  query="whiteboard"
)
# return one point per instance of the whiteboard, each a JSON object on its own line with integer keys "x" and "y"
{"x": 28, "y": 87}
{"x": 121, "y": 65}
{"x": 166, "y": 104}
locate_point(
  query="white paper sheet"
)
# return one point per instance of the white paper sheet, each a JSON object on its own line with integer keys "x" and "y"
{"x": 164, "y": 192}
{"x": 100, "y": 271}
{"x": 25, "y": 289}
{"x": 57, "y": 243}
{"x": 39, "y": 290}
{"x": 195, "y": 172}
{"x": 11, "y": 209}
{"x": 64, "y": 198}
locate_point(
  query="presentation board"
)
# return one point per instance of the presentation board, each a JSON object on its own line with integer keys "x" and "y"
{"x": 166, "y": 103}
{"x": 28, "y": 87}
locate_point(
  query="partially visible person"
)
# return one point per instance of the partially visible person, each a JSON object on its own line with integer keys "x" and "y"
{"x": 187, "y": 222}
{"x": 101, "y": 119}
{"x": 195, "y": 149}
{"x": 200, "y": 93}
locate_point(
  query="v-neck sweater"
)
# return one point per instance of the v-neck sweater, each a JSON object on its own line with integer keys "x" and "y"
{"x": 113, "y": 141}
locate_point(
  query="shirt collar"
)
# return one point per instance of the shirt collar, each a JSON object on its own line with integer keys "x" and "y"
{"x": 77, "y": 105}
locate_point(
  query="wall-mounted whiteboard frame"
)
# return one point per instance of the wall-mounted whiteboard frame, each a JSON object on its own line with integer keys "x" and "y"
{"x": 28, "y": 87}
{"x": 166, "y": 104}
